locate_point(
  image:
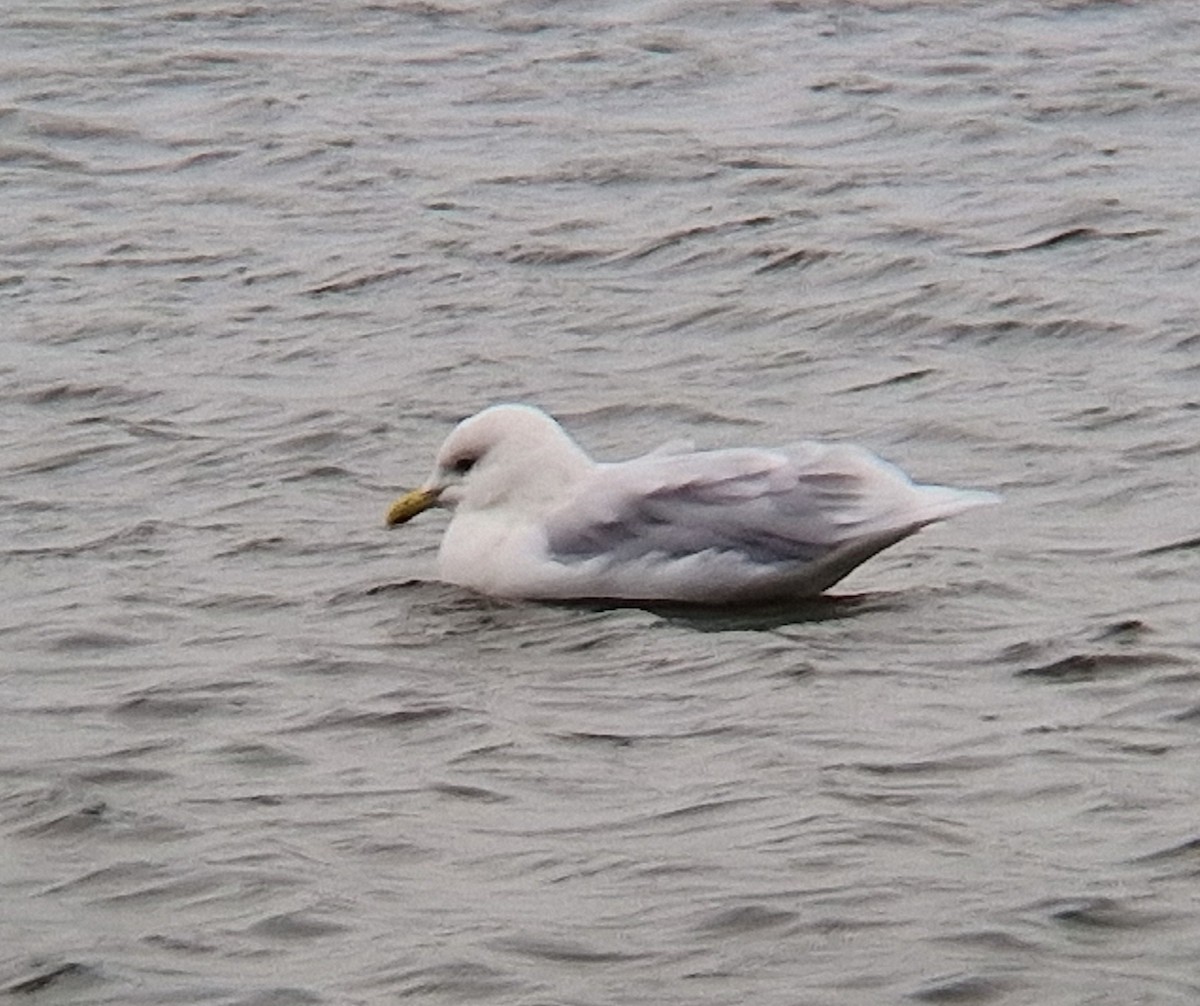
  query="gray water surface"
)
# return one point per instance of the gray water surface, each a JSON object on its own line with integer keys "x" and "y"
{"x": 256, "y": 259}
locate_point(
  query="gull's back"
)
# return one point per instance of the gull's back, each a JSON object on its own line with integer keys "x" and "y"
{"x": 743, "y": 524}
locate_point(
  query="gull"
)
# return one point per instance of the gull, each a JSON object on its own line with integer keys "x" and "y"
{"x": 534, "y": 517}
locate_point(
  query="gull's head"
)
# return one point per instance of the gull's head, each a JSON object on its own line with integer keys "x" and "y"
{"x": 504, "y": 455}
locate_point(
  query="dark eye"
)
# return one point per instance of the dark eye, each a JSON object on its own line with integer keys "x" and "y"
{"x": 463, "y": 465}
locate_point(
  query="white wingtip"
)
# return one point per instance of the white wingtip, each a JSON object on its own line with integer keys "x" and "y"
{"x": 940, "y": 502}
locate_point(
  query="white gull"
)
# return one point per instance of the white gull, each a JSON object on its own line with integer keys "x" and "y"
{"x": 535, "y": 517}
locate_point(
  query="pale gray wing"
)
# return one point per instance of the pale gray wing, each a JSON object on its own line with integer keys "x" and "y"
{"x": 792, "y": 505}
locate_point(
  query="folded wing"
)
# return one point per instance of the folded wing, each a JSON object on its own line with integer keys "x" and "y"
{"x": 799, "y": 506}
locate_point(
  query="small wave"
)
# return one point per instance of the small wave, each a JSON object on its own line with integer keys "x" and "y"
{"x": 1070, "y": 235}
{"x": 1092, "y": 666}
{"x": 70, "y": 973}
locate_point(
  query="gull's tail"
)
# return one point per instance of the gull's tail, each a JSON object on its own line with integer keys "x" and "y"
{"x": 940, "y": 502}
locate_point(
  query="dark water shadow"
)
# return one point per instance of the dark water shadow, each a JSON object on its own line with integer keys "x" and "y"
{"x": 750, "y": 617}
{"x": 391, "y": 587}
{"x": 697, "y": 617}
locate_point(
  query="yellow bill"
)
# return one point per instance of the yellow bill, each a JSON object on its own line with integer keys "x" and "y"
{"x": 411, "y": 504}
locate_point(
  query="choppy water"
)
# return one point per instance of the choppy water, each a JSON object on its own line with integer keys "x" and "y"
{"x": 256, "y": 258}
